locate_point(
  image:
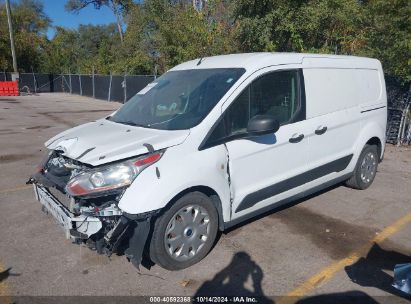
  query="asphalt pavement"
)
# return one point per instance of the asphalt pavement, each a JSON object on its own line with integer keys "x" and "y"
{"x": 332, "y": 245}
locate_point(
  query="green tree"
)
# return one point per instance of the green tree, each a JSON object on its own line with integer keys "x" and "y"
{"x": 30, "y": 25}
{"x": 164, "y": 33}
{"x": 134, "y": 57}
{"x": 327, "y": 26}
{"x": 62, "y": 53}
{"x": 81, "y": 50}
{"x": 99, "y": 44}
{"x": 170, "y": 32}
{"x": 118, "y": 7}
{"x": 374, "y": 28}
{"x": 387, "y": 30}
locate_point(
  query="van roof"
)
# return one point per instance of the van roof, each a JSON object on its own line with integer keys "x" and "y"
{"x": 255, "y": 61}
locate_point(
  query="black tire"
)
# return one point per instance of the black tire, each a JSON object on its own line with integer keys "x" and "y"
{"x": 159, "y": 251}
{"x": 355, "y": 181}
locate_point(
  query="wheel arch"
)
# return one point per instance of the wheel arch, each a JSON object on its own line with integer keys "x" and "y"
{"x": 371, "y": 133}
{"x": 376, "y": 141}
{"x": 208, "y": 191}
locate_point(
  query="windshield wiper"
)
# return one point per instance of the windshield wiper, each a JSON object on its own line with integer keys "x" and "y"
{"x": 131, "y": 123}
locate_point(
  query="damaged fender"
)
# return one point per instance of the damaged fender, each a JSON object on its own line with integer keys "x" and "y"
{"x": 157, "y": 185}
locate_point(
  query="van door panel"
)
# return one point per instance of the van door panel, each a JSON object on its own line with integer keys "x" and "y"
{"x": 333, "y": 115}
{"x": 259, "y": 165}
{"x": 266, "y": 169}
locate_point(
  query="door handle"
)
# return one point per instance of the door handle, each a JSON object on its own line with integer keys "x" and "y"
{"x": 296, "y": 138}
{"x": 321, "y": 131}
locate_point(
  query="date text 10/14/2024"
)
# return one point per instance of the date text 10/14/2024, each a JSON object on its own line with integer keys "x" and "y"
{"x": 204, "y": 299}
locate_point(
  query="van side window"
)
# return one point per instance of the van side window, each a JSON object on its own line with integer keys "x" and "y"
{"x": 238, "y": 114}
{"x": 275, "y": 93}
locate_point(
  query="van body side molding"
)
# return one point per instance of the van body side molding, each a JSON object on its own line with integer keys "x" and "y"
{"x": 285, "y": 203}
{"x": 373, "y": 109}
{"x": 285, "y": 185}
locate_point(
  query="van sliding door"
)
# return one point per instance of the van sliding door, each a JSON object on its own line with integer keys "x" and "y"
{"x": 334, "y": 121}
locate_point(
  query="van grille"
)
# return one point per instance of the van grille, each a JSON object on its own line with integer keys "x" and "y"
{"x": 61, "y": 197}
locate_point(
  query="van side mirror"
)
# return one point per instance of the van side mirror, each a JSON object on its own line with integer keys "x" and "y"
{"x": 262, "y": 124}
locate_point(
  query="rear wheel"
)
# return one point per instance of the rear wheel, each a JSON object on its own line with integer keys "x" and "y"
{"x": 185, "y": 233}
{"x": 365, "y": 169}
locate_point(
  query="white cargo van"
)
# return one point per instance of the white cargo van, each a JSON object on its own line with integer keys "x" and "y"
{"x": 211, "y": 143}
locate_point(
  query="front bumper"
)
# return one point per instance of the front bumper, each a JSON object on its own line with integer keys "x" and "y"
{"x": 73, "y": 226}
{"x": 131, "y": 228}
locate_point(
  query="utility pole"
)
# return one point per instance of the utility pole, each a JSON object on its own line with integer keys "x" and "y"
{"x": 13, "y": 51}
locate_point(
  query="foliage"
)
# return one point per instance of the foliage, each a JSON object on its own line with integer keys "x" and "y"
{"x": 62, "y": 52}
{"x": 77, "y": 5}
{"x": 173, "y": 32}
{"x": 388, "y": 35}
{"x": 119, "y": 7}
{"x": 326, "y": 26}
{"x": 375, "y": 28}
{"x": 164, "y": 33}
{"x": 30, "y": 25}
{"x": 78, "y": 51}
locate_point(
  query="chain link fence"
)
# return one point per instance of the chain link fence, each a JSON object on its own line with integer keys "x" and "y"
{"x": 120, "y": 88}
{"x": 399, "y": 112}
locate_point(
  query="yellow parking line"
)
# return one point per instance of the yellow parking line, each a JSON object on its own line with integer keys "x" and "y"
{"x": 328, "y": 272}
{"x": 15, "y": 189}
{"x": 4, "y": 290}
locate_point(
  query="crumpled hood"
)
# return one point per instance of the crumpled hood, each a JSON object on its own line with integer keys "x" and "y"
{"x": 103, "y": 141}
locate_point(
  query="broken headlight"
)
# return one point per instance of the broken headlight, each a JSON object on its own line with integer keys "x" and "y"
{"x": 110, "y": 177}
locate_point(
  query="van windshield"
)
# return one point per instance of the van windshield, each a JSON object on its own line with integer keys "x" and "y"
{"x": 177, "y": 100}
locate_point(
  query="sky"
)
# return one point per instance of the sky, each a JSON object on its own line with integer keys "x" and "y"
{"x": 89, "y": 15}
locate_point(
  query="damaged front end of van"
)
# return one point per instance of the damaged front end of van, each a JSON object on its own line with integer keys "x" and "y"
{"x": 82, "y": 179}
{"x": 84, "y": 201}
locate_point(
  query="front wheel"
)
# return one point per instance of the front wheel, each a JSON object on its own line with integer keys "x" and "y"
{"x": 184, "y": 234}
{"x": 365, "y": 169}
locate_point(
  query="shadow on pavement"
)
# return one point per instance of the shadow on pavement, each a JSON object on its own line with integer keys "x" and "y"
{"x": 242, "y": 269}
{"x": 282, "y": 206}
{"x": 231, "y": 280}
{"x": 369, "y": 271}
{"x": 349, "y": 297}
{"x": 5, "y": 274}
